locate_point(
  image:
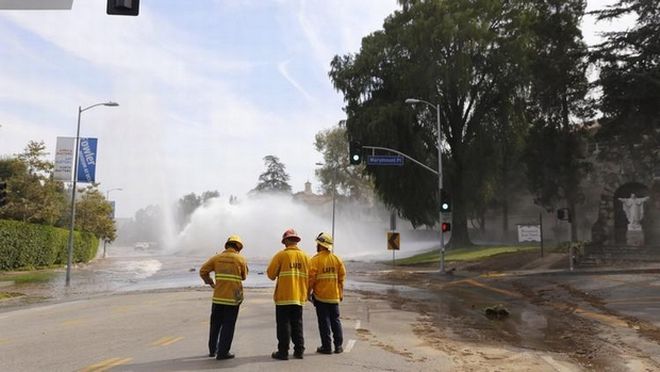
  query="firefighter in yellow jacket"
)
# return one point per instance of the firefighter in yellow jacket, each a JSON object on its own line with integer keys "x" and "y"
{"x": 326, "y": 286}
{"x": 230, "y": 270}
{"x": 290, "y": 267}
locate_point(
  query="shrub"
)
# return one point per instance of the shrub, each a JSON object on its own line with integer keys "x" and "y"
{"x": 25, "y": 245}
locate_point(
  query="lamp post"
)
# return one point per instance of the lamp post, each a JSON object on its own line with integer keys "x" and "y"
{"x": 107, "y": 198}
{"x": 334, "y": 197}
{"x": 442, "y": 234}
{"x": 73, "y": 189}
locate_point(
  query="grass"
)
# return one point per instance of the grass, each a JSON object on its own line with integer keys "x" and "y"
{"x": 464, "y": 254}
{"x": 28, "y": 277}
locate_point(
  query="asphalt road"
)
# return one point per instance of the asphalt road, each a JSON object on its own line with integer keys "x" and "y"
{"x": 168, "y": 330}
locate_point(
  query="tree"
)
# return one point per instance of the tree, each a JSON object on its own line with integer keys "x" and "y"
{"x": 94, "y": 214}
{"x": 466, "y": 55}
{"x": 208, "y": 195}
{"x": 350, "y": 181}
{"x": 557, "y": 97}
{"x": 33, "y": 195}
{"x": 630, "y": 79}
{"x": 274, "y": 179}
{"x": 189, "y": 203}
{"x": 185, "y": 208}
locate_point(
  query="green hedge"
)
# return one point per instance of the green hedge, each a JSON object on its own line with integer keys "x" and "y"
{"x": 26, "y": 245}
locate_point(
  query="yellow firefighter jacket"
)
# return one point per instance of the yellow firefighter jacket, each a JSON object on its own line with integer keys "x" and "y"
{"x": 290, "y": 267}
{"x": 230, "y": 270}
{"x": 326, "y": 277}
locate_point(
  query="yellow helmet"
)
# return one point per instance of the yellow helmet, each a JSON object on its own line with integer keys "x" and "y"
{"x": 324, "y": 240}
{"x": 235, "y": 239}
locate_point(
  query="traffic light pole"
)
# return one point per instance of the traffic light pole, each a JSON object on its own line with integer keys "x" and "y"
{"x": 442, "y": 218}
{"x": 438, "y": 173}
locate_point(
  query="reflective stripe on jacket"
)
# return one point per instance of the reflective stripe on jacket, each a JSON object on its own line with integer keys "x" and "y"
{"x": 290, "y": 267}
{"x": 326, "y": 277}
{"x": 230, "y": 270}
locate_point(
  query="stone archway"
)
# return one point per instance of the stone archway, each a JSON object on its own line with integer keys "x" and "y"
{"x": 620, "y": 222}
{"x": 611, "y": 226}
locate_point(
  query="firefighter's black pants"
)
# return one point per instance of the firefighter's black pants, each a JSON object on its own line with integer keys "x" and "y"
{"x": 289, "y": 328}
{"x": 223, "y": 323}
{"x": 328, "y": 318}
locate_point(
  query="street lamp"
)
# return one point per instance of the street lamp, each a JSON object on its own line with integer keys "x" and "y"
{"x": 442, "y": 234}
{"x": 75, "y": 181}
{"x": 107, "y": 198}
{"x": 334, "y": 197}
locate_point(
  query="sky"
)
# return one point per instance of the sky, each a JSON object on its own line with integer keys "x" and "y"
{"x": 206, "y": 88}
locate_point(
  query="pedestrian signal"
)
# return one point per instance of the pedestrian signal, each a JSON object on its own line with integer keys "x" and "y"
{"x": 446, "y": 226}
{"x": 355, "y": 152}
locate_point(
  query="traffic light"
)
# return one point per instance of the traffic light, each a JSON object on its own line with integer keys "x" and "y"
{"x": 123, "y": 7}
{"x": 355, "y": 151}
{"x": 446, "y": 226}
{"x": 445, "y": 201}
{"x": 3, "y": 193}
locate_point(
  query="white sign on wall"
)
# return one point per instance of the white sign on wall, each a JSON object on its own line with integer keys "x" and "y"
{"x": 529, "y": 233}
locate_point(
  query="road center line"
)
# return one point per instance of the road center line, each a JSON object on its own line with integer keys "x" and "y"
{"x": 349, "y": 346}
{"x": 167, "y": 340}
{"x": 170, "y": 342}
{"x": 105, "y": 365}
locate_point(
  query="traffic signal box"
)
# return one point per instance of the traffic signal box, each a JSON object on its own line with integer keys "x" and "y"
{"x": 563, "y": 214}
{"x": 446, "y": 226}
{"x": 355, "y": 153}
{"x": 123, "y": 7}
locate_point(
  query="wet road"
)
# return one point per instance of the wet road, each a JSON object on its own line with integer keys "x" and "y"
{"x": 599, "y": 321}
{"x": 603, "y": 321}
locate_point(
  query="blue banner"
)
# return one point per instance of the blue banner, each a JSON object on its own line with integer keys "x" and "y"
{"x": 87, "y": 160}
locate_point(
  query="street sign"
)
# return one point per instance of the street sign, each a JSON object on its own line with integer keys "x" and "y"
{"x": 393, "y": 241}
{"x": 64, "y": 159}
{"x": 529, "y": 233}
{"x": 87, "y": 160}
{"x": 388, "y": 160}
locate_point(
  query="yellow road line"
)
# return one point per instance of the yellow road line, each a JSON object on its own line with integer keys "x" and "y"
{"x": 486, "y": 286}
{"x": 635, "y": 300}
{"x": 4, "y": 341}
{"x": 74, "y": 321}
{"x": 495, "y": 274}
{"x": 172, "y": 341}
{"x": 603, "y": 318}
{"x": 167, "y": 340}
{"x": 120, "y": 309}
{"x": 105, "y": 365}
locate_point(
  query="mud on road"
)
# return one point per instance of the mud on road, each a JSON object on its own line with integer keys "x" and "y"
{"x": 548, "y": 318}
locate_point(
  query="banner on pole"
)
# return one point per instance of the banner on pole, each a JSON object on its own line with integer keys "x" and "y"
{"x": 87, "y": 160}
{"x": 64, "y": 159}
